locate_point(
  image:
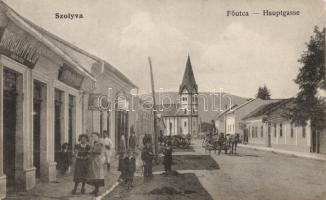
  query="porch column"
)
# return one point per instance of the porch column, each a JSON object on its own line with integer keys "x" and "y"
{"x": 48, "y": 165}
{"x": 2, "y": 175}
{"x": 25, "y": 171}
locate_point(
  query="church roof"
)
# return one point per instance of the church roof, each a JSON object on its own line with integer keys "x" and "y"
{"x": 188, "y": 81}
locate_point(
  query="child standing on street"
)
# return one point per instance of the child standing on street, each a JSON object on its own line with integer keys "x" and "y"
{"x": 167, "y": 160}
{"x": 132, "y": 169}
{"x": 65, "y": 158}
{"x": 81, "y": 165}
{"x": 125, "y": 169}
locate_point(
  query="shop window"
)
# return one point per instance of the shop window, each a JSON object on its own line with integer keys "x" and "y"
{"x": 281, "y": 130}
{"x": 252, "y": 132}
{"x": 101, "y": 123}
{"x": 58, "y": 120}
{"x": 108, "y": 122}
{"x": 71, "y": 121}
{"x": 275, "y": 130}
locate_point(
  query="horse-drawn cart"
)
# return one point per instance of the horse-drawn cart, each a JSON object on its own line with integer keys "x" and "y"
{"x": 220, "y": 143}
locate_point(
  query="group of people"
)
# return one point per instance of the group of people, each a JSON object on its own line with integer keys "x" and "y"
{"x": 91, "y": 155}
{"x": 147, "y": 157}
{"x": 127, "y": 159}
{"x": 92, "y": 158}
{"x": 220, "y": 141}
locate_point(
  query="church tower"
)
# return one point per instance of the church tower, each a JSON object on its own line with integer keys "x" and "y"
{"x": 188, "y": 92}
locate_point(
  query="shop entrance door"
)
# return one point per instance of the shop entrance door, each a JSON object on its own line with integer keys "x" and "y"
{"x": 37, "y": 102}
{"x": 72, "y": 117}
{"x": 117, "y": 129}
{"x": 57, "y": 125}
{"x": 9, "y": 124}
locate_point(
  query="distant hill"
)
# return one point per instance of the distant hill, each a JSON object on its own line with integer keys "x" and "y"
{"x": 209, "y": 104}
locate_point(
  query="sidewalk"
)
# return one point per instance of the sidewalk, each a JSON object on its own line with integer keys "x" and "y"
{"x": 61, "y": 189}
{"x": 292, "y": 153}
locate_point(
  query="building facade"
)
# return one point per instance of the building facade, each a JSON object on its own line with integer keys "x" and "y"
{"x": 50, "y": 92}
{"x": 233, "y": 117}
{"x": 41, "y": 94}
{"x": 269, "y": 126}
{"x": 110, "y": 104}
{"x": 182, "y": 118}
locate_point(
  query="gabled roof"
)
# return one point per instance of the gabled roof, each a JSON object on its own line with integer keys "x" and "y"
{"x": 188, "y": 81}
{"x": 240, "y": 106}
{"x": 69, "y": 52}
{"x": 35, "y": 32}
{"x": 226, "y": 111}
{"x": 267, "y": 109}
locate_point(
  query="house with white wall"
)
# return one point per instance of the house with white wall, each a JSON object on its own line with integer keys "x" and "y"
{"x": 269, "y": 125}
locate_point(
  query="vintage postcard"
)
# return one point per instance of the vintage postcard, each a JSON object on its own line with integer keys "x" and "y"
{"x": 162, "y": 99}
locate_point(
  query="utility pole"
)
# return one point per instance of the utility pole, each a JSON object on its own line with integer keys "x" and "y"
{"x": 154, "y": 109}
{"x": 191, "y": 112}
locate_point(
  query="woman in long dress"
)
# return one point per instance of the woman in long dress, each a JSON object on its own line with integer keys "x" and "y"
{"x": 81, "y": 165}
{"x": 96, "y": 162}
{"x": 108, "y": 146}
{"x": 122, "y": 150}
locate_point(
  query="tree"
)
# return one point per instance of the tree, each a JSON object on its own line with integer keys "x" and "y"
{"x": 263, "y": 93}
{"x": 311, "y": 77}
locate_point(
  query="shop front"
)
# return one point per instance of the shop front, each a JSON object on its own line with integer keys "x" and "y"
{"x": 41, "y": 95}
{"x": 121, "y": 119}
{"x": 109, "y": 104}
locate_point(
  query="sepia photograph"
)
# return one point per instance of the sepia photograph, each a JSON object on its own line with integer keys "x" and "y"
{"x": 162, "y": 99}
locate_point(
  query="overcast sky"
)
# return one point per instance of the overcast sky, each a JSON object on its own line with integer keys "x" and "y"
{"x": 234, "y": 53}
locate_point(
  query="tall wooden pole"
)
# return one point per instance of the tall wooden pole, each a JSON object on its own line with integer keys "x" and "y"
{"x": 154, "y": 109}
{"x": 191, "y": 113}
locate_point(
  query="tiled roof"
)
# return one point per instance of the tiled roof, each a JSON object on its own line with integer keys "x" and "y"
{"x": 267, "y": 108}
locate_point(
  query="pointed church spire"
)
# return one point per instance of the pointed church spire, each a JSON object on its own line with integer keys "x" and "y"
{"x": 188, "y": 81}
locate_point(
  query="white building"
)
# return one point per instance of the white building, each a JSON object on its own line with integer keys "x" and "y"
{"x": 182, "y": 117}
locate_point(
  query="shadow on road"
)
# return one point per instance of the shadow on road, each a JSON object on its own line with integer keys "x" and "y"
{"x": 180, "y": 187}
{"x": 191, "y": 162}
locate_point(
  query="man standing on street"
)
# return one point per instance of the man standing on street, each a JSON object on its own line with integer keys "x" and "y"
{"x": 147, "y": 158}
{"x": 108, "y": 145}
{"x": 167, "y": 160}
{"x": 132, "y": 140}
